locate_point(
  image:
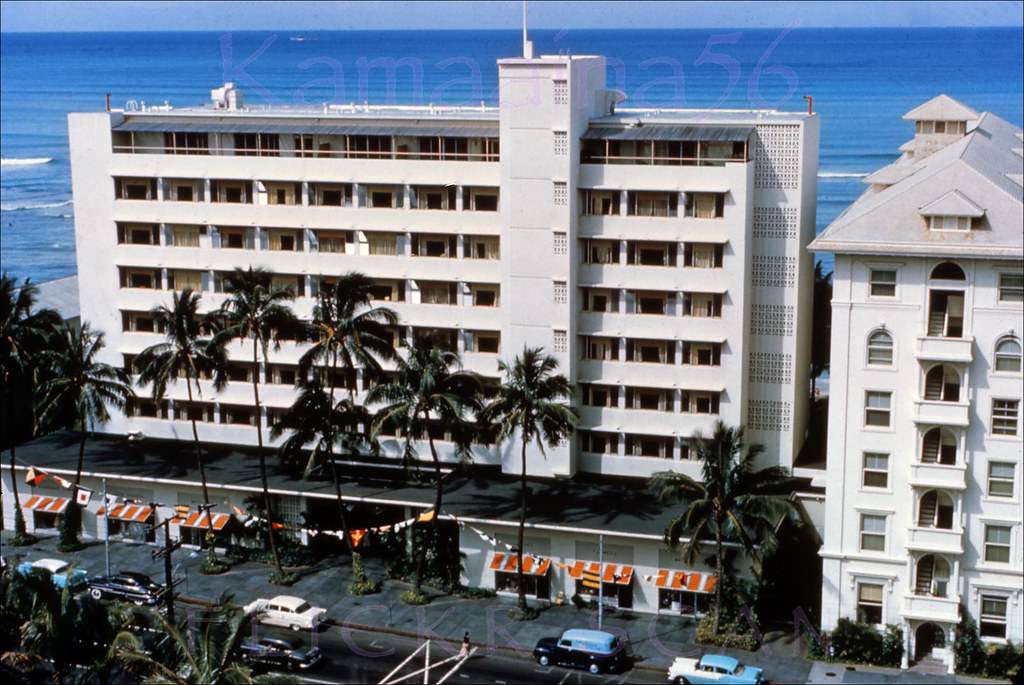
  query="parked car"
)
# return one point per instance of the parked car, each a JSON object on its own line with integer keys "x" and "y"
{"x": 137, "y": 588}
{"x": 714, "y": 668}
{"x": 287, "y": 611}
{"x": 594, "y": 650}
{"x": 273, "y": 653}
{"x": 61, "y": 571}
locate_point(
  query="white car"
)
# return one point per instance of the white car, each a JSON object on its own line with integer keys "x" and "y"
{"x": 288, "y": 612}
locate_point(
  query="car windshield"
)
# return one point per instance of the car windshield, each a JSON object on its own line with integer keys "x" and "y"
{"x": 302, "y": 608}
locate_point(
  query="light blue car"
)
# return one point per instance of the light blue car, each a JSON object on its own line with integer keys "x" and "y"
{"x": 63, "y": 575}
{"x": 714, "y": 669}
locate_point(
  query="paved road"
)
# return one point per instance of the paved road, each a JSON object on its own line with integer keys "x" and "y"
{"x": 353, "y": 656}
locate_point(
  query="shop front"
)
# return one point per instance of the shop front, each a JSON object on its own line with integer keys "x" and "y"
{"x": 45, "y": 512}
{"x": 686, "y": 593}
{"x": 130, "y": 522}
{"x": 193, "y": 527}
{"x": 536, "y": 579}
{"x": 613, "y": 583}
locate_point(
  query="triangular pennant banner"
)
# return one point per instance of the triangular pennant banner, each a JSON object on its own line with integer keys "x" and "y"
{"x": 82, "y": 497}
{"x": 357, "y": 536}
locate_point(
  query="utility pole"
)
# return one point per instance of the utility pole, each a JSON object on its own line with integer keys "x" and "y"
{"x": 165, "y": 554}
{"x": 106, "y": 529}
{"x": 600, "y": 582}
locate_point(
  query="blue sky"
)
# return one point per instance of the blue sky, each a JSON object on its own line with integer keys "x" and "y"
{"x": 493, "y": 14}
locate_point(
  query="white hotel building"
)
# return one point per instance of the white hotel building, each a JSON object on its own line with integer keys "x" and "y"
{"x": 923, "y": 496}
{"x": 660, "y": 255}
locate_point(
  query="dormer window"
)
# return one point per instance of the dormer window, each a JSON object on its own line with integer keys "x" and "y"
{"x": 949, "y": 128}
{"x": 949, "y": 223}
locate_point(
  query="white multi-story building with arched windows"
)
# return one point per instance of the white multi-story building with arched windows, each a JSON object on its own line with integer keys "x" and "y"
{"x": 923, "y": 501}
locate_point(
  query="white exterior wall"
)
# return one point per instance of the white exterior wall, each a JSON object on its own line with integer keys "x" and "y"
{"x": 855, "y": 315}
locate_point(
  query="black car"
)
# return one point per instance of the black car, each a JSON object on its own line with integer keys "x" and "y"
{"x": 594, "y": 650}
{"x": 271, "y": 653}
{"x": 137, "y": 588}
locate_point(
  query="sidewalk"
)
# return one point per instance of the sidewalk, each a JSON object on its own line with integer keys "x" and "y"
{"x": 656, "y": 640}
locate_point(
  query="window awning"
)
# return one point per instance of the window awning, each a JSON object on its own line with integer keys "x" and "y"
{"x": 623, "y": 575}
{"x": 324, "y": 129}
{"x": 509, "y": 563}
{"x": 198, "y": 519}
{"x": 48, "y": 505}
{"x": 130, "y": 512}
{"x": 723, "y": 134}
{"x": 689, "y": 581}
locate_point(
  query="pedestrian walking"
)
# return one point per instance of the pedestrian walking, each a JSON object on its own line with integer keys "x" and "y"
{"x": 464, "y": 652}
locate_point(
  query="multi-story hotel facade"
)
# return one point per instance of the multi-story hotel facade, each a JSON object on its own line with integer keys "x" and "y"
{"x": 659, "y": 255}
{"x": 923, "y": 496}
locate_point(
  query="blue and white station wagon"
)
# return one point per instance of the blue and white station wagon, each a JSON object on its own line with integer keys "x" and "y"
{"x": 713, "y": 669}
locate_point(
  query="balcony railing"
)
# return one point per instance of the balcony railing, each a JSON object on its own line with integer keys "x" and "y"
{"x": 940, "y": 413}
{"x": 944, "y": 540}
{"x": 932, "y": 348}
{"x": 334, "y": 154}
{"x": 929, "y": 608}
{"x": 938, "y": 475}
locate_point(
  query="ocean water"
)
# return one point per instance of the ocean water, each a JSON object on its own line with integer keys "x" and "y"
{"x": 862, "y": 81}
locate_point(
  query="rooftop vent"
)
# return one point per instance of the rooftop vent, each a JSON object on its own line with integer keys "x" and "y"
{"x": 226, "y": 97}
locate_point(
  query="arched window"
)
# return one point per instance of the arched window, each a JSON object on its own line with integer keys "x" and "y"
{"x": 948, "y": 271}
{"x": 880, "y": 349}
{"x": 942, "y": 383}
{"x": 935, "y": 510}
{"x": 1008, "y": 355}
{"x": 939, "y": 446}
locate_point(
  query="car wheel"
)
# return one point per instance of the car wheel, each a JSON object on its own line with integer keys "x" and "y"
{"x": 543, "y": 660}
{"x": 595, "y": 669}
{"x": 296, "y": 627}
{"x": 680, "y": 680}
{"x": 95, "y": 593}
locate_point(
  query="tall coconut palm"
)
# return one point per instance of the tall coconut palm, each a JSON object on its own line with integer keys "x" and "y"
{"x": 185, "y": 354}
{"x": 531, "y": 401}
{"x": 204, "y": 655}
{"x": 429, "y": 389}
{"x": 348, "y": 332}
{"x": 315, "y": 427}
{"x": 78, "y": 384}
{"x": 258, "y": 311}
{"x": 23, "y": 334}
{"x": 735, "y": 503}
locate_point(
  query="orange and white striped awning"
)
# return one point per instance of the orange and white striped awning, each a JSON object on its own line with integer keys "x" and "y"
{"x": 612, "y": 573}
{"x": 135, "y": 513}
{"x": 509, "y": 563}
{"x": 688, "y": 581}
{"x": 199, "y": 519}
{"x": 49, "y": 505}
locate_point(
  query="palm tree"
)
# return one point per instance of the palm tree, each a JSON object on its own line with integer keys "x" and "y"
{"x": 80, "y": 385}
{"x": 347, "y": 333}
{"x": 256, "y": 310}
{"x": 23, "y": 334}
{"x": 315, "y": 426}
{"x": 429, "y": 389}
{"x": 206, "y": 655}
{"x": 184, "y": 354}
{"x": 531, "y": 402}
{"x": 734, "y": 503}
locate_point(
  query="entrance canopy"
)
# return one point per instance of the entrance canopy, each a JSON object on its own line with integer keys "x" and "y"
{"x": 688, "y": 581}
{"x": 509, "y": 563}
{"x": 199, "y": 519}
{"x": 131, "y": 513}
{"x": 47, "y": 505}
{"x": 611, "y": 573}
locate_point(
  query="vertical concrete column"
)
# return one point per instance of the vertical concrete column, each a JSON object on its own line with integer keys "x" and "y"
{"x": 160, "y": 189}
{"x": 460, "y": 246}
{"x": 623, "y": 247}
{"x": 622, "y": 300}
{"x": 305, "y": 193}
{"x": 622, "y": 349}
{"x": 356, "y": 191}
{"x": 407, "y": 248}
{"x": 460, "y": 201}
{"x": 406, "y": 196}
{"x": 623, "y": 202}
{"x": 622, "y": 444}
{"x": 207, "y": 190}
{"x": 908, "y": 644}
{"x": 620, "y": 401}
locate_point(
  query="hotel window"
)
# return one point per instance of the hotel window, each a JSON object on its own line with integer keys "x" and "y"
{"x": 135, "y": 188}
{"x": 485, "y": 295}
{"x": 877, "y": 408}
{"x": 700, "y": 402}
{"x": 140, "y": 278}
{"x": 484, "y": 247}
{"x": 599, "y": 442}
{"x": 1000, "y": 479}
{"x": 880, "y": 349}
{"x": 650, "y": 351}
{"x": 285, "y": 241}
{"x": 486, "y": 342}
{"x": 949, "y": 223}
{"x": 993, "y": 616}
{"x": 595, "y": 300}
{"x": 599, "y": 395}
{"x": 382, "y": 244}
{"x": 600, "y": 349}
{"x": 559, "y": 243}
{"x": 1008, "y": 355}
{"x": 702, "y": 354}
{"x": 295, "y": 284}
{"x": 997, "y": 544}
{"x": 1004, "y": 417}
{"x": 702, "y": 255}
{"x": 649, "y": 446}
{"x": 1011, "y": 288}
{"x": 560, "y": 292}
{"x": 872, "y": 533}
{"x": 599, "y": 202}
{"x": 182, "y": 192}
{"x": 702, "y": 305}
{"x": 185, "y": 236}
{"x": 384, "y": 291}
{"x": 652, "y": 204}
{"x": 600, "y": 252}
{"x": 650, "y": 399}
{"x": 876, "y": 470}
{"x": 883, "y": 283}
{"x": 181, "y": 279}
{"x": 303, "y": 146}
{"x": 334, "y": 242}
{"x": 652, "y": 302}
{"x": 561, "y": 143}
{"x": 435, "y": 197}
{"x": 382, "y": 199}
{"x": 869, "y": 603}
{"x": 281, "y": 374}
{"x": 438, "y": 293}
{"x": 650, "y": 253}
{"x": 705, "y": 205}
{"x": 561, "y": 341}
{"x": 133, "y": 234}
{"x": 560, "y": 192}
{"x": 427, "y": 245}
{"x": 483, "y": 199}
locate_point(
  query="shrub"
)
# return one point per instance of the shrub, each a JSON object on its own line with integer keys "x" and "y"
{"x": 1004, "y": 661}
{"x": 361, "y": 583}
{"x": 862, "y": 643}
{"x": 415, "y": 598}
{"x": 735, "y": 635}
{"x": 212, "y": 566}
{"x": 474, "y": 592}
{"x": 968, "y": 650}
{"x": 284, "y": 578}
